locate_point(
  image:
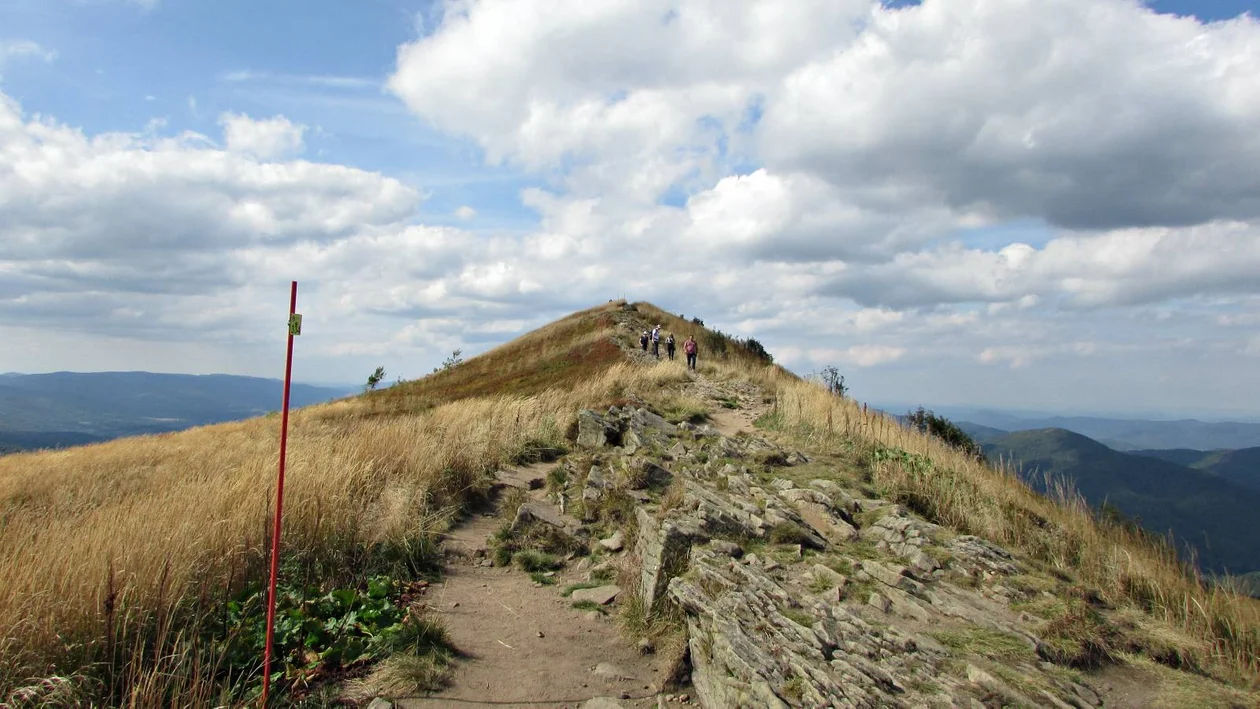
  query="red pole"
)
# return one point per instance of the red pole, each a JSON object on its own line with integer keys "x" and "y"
{"x": 275, "y": 534}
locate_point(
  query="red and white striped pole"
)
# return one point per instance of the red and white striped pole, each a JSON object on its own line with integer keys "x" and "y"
{"x": 295, "y": 328}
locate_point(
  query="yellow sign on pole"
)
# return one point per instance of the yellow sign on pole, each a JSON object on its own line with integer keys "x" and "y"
{"x": 295, "y": 324}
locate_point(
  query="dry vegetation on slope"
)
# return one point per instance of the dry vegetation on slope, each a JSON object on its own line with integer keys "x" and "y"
{"x": 112, "y": 554}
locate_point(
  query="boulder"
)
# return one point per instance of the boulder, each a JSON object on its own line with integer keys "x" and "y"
{"x": 541, "y": 512}
{"x": 614, "y": 543}
{"x": 593, "y": 431}
{"x": 662, "y": 548}
{"x": 603, "y": 595}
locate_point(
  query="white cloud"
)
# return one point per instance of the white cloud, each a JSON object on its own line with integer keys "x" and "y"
{"x": 87, "y": 217}
{"x": 265, "y": 139}
{"x": 811, "y": 173}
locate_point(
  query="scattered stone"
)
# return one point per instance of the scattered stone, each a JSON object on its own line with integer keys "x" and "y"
{"x": 678, "y": 452}
{"x": 646, "y": 646}
{"x": 614, "y": 543}
{"x": 602, "y": 703}
{"x": 540, "y": 511}
{"x": 879, "y": 602}
{"x": 782, "y": 484}
{"x": 603, "y": 595}
{"x": 380, "y": 703}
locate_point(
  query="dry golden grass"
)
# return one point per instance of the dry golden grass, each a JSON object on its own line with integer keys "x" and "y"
{"x": 105, "y": 548}
{"x": 956, "y": 491}
{"x": 103, "y": 544}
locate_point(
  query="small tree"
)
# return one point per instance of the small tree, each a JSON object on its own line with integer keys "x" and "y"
{"x": 927, "y": 422}
{"x": 456, "y": 358}
{"x": 375, "y": 378}
{"x": 834, "y": 381}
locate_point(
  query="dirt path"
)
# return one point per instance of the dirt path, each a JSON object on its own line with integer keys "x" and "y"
{"x": 525, "y": 645}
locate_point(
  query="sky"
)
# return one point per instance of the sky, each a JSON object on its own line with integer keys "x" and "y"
{"x": 1048, "y": 205}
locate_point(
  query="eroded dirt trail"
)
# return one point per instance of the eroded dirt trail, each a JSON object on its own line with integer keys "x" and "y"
{"x": 524, "y": 645}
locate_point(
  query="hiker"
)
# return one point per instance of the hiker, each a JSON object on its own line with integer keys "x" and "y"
{"x": 690, "y": 348}
{"x": 656, "y": 341}
{"x": 643, "y": 340}
{"x": 669, "y": 346}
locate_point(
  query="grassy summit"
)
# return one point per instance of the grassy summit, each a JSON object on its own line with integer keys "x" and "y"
{"x": 117, "y": 559}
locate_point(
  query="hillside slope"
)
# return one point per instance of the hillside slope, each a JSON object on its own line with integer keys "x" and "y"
{"x": 130, "y": 570}
{"x": 1212, "y": 515}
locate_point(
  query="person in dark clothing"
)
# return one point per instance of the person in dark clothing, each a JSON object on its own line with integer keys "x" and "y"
{"x": 691, "y": 349}
{"x": 643, "y": 340}
{"x": 669, "y": 345}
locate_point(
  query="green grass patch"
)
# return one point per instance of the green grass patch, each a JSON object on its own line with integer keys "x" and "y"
{"x": 798, "y": 616}
{"x": 542, "y": 578}
{"x": 985, "y": 642}
{"x": 535, "y": 561}
{"x": 589, "y": 606}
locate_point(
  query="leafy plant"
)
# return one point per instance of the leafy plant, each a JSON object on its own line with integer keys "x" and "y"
{"x": 316, "y": 631}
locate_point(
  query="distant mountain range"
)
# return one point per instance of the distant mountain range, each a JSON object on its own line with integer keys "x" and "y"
{"x": 72, "y": 408}
{"x": 1207, "y": 500}
{"x": 1126, "y": 434}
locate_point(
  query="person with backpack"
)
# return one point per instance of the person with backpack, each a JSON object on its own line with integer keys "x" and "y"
{"x": 669, "y": 346}
{"x": 656, "y": 341}
{"x": 643, "y": 340}
{"x": 690, "y": 348}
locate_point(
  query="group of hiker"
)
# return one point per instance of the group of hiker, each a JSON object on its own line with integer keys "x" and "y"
{"x": 690, "y": 348}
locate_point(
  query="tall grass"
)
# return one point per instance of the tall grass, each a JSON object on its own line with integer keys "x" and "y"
{"x": 112, "y": 554}
{"x": 1126, "y": 565}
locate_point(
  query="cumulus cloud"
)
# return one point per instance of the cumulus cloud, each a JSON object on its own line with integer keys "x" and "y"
{"x": 91, "y": 219}
{"x": 805, "y": 172}
{"x": 266, "y": 139}
{"x": 1122, "y": 267}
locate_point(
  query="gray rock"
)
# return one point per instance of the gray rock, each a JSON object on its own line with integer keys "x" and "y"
{"x": 879, "y": 602}
{"x": 541, "y": 512}
{"x": 380, "y": 703}
{"x": 744, "y": 651}
{"x": 592, "y": 430}
{"x": 602, "y": 703}
{"x": 662, "y": 548}
{"x": 603, "y": 595}
{"x": 831, "y": 576}
{"x": 722, "y": 546}
{"x": 614, "y": 543}
{"x": 678, "y": 452}
{"x": 828, "y": 525}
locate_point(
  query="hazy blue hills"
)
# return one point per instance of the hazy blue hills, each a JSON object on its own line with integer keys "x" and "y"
{"x": 1213, "y": 515}
{"x": 1237, "y": 466}
{"x": 1128, "y": 434}
{"x": 71, "y": 408}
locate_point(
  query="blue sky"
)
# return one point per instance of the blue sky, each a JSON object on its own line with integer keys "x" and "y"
{"x": 993, "y": 232}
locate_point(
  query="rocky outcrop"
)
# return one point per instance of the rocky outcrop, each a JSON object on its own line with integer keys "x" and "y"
{"x": 747, "y": 652}
{"x": 779, "y": 613}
